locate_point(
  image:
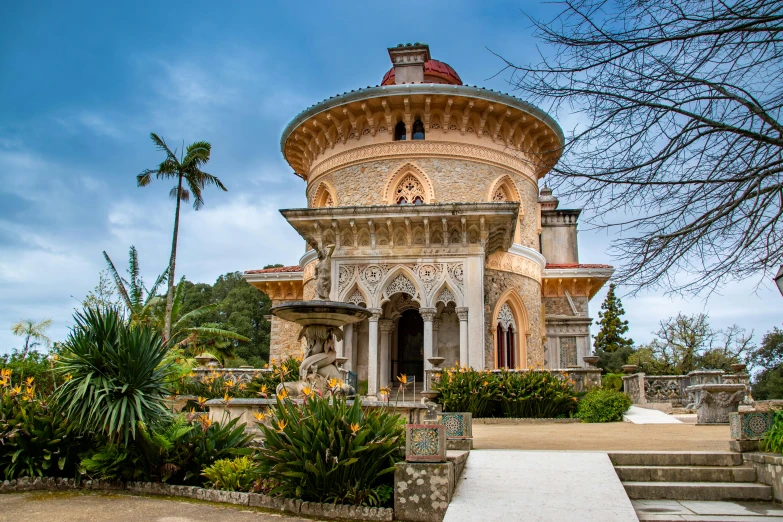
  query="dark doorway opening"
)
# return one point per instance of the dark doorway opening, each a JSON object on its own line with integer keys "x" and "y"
{"x": 410, "y": 346}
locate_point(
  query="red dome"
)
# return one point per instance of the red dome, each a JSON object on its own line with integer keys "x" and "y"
{"x": 434, "y": 72}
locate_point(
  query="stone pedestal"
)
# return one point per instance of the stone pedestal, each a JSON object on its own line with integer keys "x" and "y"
{"x": 714, "y": 402}
{"x": 425, "y": 443}
{"x": 422, "y": 491}
{"x": 748, "y": 428}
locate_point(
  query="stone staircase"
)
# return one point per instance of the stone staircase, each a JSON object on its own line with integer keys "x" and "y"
{"x": 703, "y": 476}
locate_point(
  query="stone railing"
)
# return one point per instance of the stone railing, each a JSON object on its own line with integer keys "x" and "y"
{"x": 671, "y": 390}
{"x": 245, "y": 374}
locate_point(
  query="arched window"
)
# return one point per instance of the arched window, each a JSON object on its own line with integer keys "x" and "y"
{"x": 418, "y": 130}
{"x": 409, "y": 191}
{"x": 399, "y": 132}
{"x": 506, "y": 341}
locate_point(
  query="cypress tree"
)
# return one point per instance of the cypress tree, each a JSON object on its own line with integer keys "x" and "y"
{"x": 613, "y": 327}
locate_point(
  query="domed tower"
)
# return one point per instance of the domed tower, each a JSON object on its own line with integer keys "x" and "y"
{"x": 428, "y": 190}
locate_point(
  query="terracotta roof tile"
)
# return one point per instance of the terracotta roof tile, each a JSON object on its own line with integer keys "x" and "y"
{"x": 278, "y": 269}
{"x": 433, "y": 68}
{"x": 575, "y": 265}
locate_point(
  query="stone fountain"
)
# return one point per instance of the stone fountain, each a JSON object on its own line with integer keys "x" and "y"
{"x": 321, "y": 321}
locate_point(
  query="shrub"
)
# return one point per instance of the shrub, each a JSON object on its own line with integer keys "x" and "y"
{"x": 520, "y": 394}
{"x": 325, "y": 451}
{"x": 612, "y": 381}
{"x": 34, "y": 440}
{"x": 239, "y": 474}
{"x": 35, "y": 365}
{"x": 773, "y": 439}
{"x": 113, "y": 373}
{"x": 603, "y": 405}
{"x": 175, "y": 451}
{"x": 214, "y": 385}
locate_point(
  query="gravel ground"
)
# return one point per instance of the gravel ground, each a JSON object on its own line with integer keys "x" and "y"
{"x": 69, "y": 506}
{"x": 606, "y": 436}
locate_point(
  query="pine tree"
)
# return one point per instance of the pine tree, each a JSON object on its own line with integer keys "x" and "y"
{"x": 610, "y": 336}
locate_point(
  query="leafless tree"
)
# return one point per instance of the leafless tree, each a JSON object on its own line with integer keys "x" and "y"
{"x": 681, "y": 145}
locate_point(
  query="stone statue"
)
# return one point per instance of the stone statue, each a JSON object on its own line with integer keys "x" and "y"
{"x": 323, "y": 273}
{"x": 318, "y": 368}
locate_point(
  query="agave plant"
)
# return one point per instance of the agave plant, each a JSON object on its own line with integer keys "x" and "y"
{"x": 114, "y": 374}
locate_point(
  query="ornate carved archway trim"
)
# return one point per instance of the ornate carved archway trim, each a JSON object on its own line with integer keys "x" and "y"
{"x": 514, "y": 301}
{"x": 396, "y": 177}
{"x": 324, "y": 195}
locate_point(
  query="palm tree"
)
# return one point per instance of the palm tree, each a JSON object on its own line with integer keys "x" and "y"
{"x": 32, "y": 331}
{"x": 138, "y": 300}
{"x": 197, "y": 338}
{"x": 187, "y": 171}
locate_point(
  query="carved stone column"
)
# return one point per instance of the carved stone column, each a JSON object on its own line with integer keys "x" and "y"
{"x": 427, "y": 314}
{"x": 462, "y": 313}
{"x": 347, "y": 347}
{"x": 372, "y": 359}
{"x": 435, "y": 330}
{"x": 386, "y": 326}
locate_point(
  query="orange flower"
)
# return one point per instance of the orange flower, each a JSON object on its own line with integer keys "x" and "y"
{"x": 354, "y": 428}
{"x": 260, "y": 416}
{"x": 227, "y": 399}
{"x": 262, "y": 390}
{"x": 403, "y": 379}
{"x": 229, "y": 384}
{"x": 30, "y": 381}
{"x": 201, "y": 401}
{"x": 281, "y": 424}
{"x": 283, "y": 394}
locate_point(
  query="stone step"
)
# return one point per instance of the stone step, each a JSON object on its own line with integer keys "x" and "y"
{"x": 675, "y": 458}
{"x": 697, "y": 491}
{"x": 686, "y": 473}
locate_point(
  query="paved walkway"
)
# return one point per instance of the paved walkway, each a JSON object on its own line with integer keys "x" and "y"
{"x": 693, "y": 510}
{"x": 71, "y": 506}
{"x": 637, "y": 415}
{"x": 610, "y": 436}
{"x": 523, "y": 486}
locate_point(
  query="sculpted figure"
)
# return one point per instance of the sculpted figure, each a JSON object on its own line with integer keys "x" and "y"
{"x": 323, "y": 273}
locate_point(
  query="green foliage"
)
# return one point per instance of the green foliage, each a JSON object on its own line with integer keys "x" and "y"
{"x": 32, "y": 331}
{"x": 325, "y": 451}
{"x": 768, "y": 384}
{"x": 113, "y": 375}
{"x": 214, "y": 386}
{"x": 525, "y": 394}
{"x": 687, "y": 342}
{"x": 139, "y": 302}
{"x": 35, "y": 365}
{"x": 34, "y": 440}
{"x": 239, "y": 474}
{"x": 603, "y": 405}
{"x": 612, "y": 381}
{"x": 773, "y": 439}
{"x": 612, "y": 327}
{"x": 175, "y": 451}
{"x": 613, "y": 362}
{"x": 242, "y": 309}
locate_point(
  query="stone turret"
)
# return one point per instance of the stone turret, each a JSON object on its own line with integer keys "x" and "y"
{"x": 558, "y": 230}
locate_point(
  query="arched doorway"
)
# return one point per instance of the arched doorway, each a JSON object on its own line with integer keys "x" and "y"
{"x": 410, "y": 345}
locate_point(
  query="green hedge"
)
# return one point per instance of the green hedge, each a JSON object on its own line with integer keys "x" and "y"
{"x": 603, "y": 405}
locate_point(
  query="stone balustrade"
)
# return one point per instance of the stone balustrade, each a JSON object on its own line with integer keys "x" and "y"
{"x": 667, "y": 391}
{"x": 238, "y": 375}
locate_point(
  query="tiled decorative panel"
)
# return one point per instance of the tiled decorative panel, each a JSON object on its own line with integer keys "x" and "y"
{"x": 567, "y": 352}
{"x": 425, "y": 443}
{"x": 457, "y": 425}
{"x": 750, "y": 425}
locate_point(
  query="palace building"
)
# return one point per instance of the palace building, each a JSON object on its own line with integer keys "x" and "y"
{"x": 429, "y": 191}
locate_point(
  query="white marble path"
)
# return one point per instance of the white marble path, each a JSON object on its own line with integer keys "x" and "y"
{"x": 637, "y": 415}
{"x": 509, "y": 485}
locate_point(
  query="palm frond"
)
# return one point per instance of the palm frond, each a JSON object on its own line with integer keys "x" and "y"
{"x": 143, "y": 179}
{"x": 136, "y": 284}
{"x": 118, "y": 282}
{"x": 217, "y": 333}
{"x": 198, "y": 312}
{"x": 161, "y": 145}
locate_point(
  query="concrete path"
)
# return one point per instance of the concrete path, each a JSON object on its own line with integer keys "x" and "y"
{"x": 70, "y": 506}
{"x": 522, "y": 486}
{"x": 703, "y": 511}
{"x": 637, "y": 415}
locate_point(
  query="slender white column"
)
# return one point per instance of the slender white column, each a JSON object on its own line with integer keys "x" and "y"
{"x": 372, "y": 360}
{"x": 435, "y": 330}
{"x": 428, "y": 314}
{"x": 462, "y": 313}
{"x": 385, "y": 326}
{"x": 347, "y": 347}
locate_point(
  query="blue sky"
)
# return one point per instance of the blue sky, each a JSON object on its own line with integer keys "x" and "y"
{"x": 83, "y": 84}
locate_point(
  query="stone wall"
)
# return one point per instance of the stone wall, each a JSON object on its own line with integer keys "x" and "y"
{"x": 364, "y": 184}
{"x": 769, "y": 471}
{"x": 496, "y": 283}
{"x": 560, "y": 305}
{"x": 283, "y": 342}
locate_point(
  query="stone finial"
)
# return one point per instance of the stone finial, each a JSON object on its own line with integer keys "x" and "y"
{"x": 408, "y": 61}
{"x": 547, "y": 200}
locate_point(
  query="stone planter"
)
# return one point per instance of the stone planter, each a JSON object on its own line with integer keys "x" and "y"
{"x": 425, "y": 443}
{"x": 714, "y": 402}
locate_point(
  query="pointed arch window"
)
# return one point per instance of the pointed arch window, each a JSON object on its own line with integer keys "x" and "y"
{"x": 400, "y": 133}
{"x": 409, "y": 191}
{"x": 418, "y": 130}
{"x": 506, "y": 338}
